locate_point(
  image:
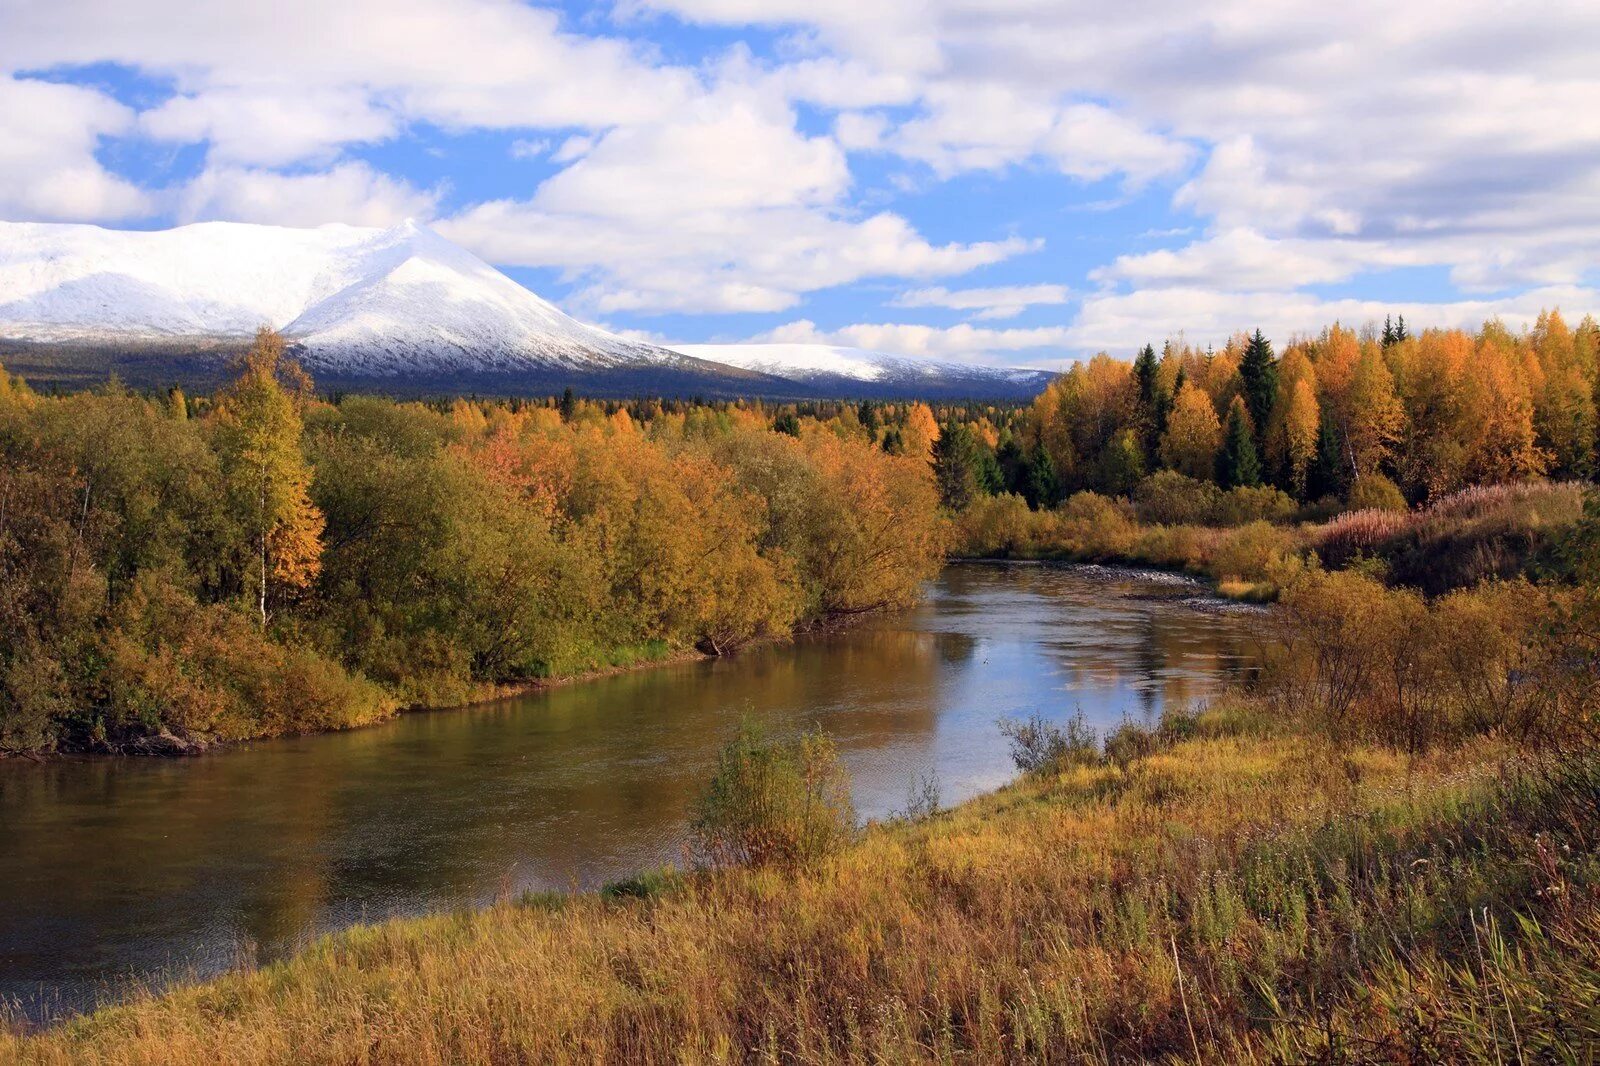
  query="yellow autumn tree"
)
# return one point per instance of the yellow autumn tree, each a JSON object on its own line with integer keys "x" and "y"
{"x": 1337, "y": 351}
{"x": 1051, "y": 421}
{"x": 1193, "y": 434}
{"x": 1564, "y": 408}
{"x": 1301, "y": 423}
{"x": 921, "y": 431}
{"x": 1294, "y": 367}
{"x": 257, "y": 425}
{"x": 1374, "y": 418}
{"x": 1498, "y": 406}
{"x": 1437, "y": 437}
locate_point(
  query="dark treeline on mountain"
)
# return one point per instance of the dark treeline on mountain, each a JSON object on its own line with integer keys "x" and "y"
{"x": 176, "y": 570}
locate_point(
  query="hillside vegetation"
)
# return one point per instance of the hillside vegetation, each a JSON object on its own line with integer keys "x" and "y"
{"x": 175, "y": 572}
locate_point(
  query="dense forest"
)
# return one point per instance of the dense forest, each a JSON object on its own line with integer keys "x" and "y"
{"x": 175, "y": 570}
{"x": 1380, "y": 419}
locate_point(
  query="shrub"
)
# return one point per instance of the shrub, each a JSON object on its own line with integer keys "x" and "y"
{"x": 1361, "y": 660}
{"x": 774, "y": 803}
{"x": 1171, "y": 499}
{"x": 1244, "y": 503}
{"x": 1255, "y": 553}
{"x": 1377, "y": 493}
{"x": 1129, "y": 742}
{"x": 996, "y": 525}
{"x": 1179, "y": 547}
{"x": 1496, "y": 531}
{"x": 1040, "y": 747}
{"x": 205, "y": 671}
{"x": 1095, "y": 527}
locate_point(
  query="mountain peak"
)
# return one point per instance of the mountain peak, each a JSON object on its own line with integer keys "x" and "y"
{"x": 390, "y": 304}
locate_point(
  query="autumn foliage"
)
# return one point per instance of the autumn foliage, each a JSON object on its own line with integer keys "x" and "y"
{"x": 277, "y": 563}
{"x": 1433, "y": 412}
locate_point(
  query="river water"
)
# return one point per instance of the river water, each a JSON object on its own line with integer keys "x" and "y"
{"x": 137, "y": 870}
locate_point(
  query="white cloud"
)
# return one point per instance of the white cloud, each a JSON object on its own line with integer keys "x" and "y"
{"x": 761, "y": 259}
{"x": 352, "y": 193}
{"x": 962, "y": 343}
{"x": 457, "y": 63}
{"x": 1122, "y": 322}
{"x": 270, "y": 126}
{"x": 725, "y": 207}
{"x": 48, "y": 169}
{"x": 1003, "y": 302}
{"x": 1439, "y": 132}
{"x": 725, "y": 153}
{"x": 529, "y": 149}
{"x": 1243, "y": 259}
{"x": 573, "y": 148}
{"x": 860, "y": 131}
{"x": 984, "y": 125}
{"x": 1314, "y": 142}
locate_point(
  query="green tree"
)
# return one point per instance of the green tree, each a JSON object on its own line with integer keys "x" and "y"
{"x": 1258, "y": 372}
{"x": 1041, "y": 486}
{"x": 1237, "y": 462}
{"x": 1155, "y": 404}
{"x": 955, "y": 465}
{"x": 1121, "y": 464}
{"x": 1325, "y": 476}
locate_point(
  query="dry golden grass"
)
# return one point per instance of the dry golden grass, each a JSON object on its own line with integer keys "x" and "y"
{"x": 1051, "y": 920}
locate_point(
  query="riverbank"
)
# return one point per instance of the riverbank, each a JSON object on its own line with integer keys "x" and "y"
{"x": 1255, "y": 892}
{"x": 1494, "y": 533}
{"x": 645, "y": 657}
{"x": 173, "y": 863}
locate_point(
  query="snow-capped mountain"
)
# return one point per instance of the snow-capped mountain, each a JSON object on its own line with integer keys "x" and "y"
{"x": 833, "y": 369}
{"x": 362, "y": 302}
{"x": 399, "y": 309}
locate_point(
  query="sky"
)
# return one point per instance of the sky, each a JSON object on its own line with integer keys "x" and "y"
{"x": 1002, "y": 181}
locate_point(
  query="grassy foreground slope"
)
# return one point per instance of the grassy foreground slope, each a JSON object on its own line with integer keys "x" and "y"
{"x": 1243, "y": 893}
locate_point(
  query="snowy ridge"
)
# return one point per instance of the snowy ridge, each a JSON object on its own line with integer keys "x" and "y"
{"x": 816, "y": 362}
{"x": 358, "y": 301}
{"x": 401, "y": 306}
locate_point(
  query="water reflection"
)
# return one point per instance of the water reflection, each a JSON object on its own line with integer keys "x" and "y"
{"x": 118, "y": 868}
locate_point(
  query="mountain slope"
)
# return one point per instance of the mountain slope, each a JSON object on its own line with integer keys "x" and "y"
{"x": 400, "y": 309}
{"x": 361, "y": 302}
{"x": 845, "y": 371}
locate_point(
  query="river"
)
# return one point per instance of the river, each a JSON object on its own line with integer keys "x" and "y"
{"x": 135, "y": 870}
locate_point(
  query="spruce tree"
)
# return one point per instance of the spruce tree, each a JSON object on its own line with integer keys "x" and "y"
{"x": 1043, "y": 486}
{"x": 1238, "y": 463}
{"x": 955, "y": 466}
{"x": 1325, "y": 477}
{"x": 1152, "y": 416}
{"x": 1259, "y": 373}
{"x": 1013, "y": 463}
